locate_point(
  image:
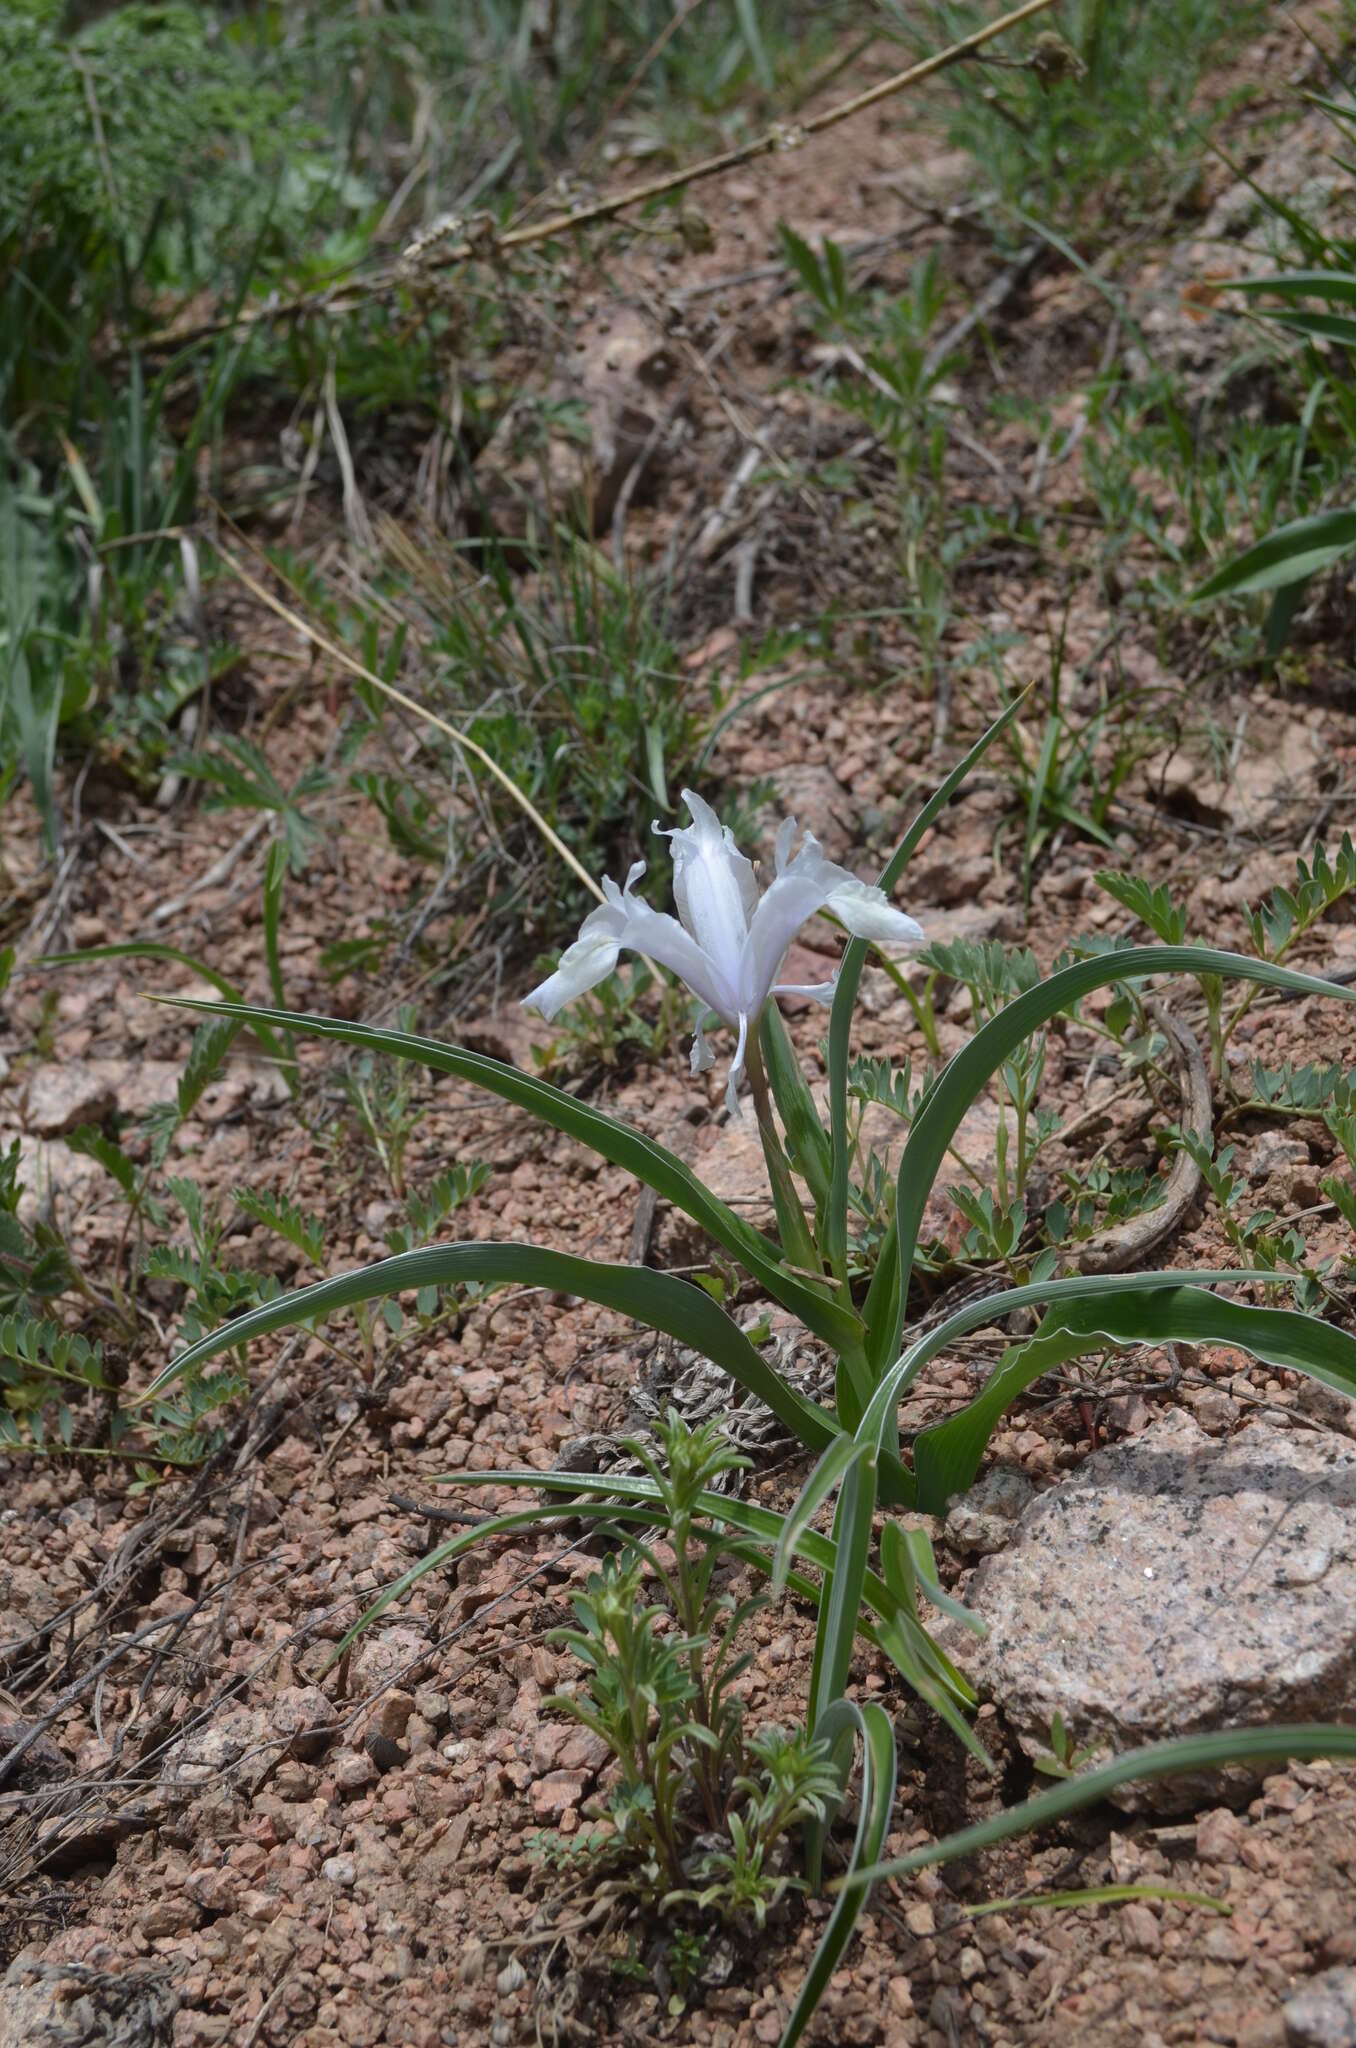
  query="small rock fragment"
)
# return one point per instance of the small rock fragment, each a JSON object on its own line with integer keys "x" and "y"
{"x": 1274, "y": 1152}
{"x": 398, "y": 1656}
{"x": 1140, "y": 1926}
{"x": 304, "y": 1715}
{"x": 41, "y": 1759}
{"x": 173, "y": 1913}
{"x": 355, "y": 1772}
{"x": 62, "y": 1097}
{"x": 984, "y": 1519}
{"x": 1219, "y": 1836}
{"x": 1323, "y": 2014}
{"x": 556, "y": 1793}
{"x": 481, "y": 1385}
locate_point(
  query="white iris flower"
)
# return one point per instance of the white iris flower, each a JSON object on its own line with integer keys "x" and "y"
{"x": 731, "y": 942}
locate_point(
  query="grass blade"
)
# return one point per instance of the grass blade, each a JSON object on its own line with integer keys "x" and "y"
{"x": 1300, "y": 1743}
{"x": 849, "y": 980}
{"x": 833, "y": 1464}
{"x": 1100, "y": 1895}
{"x": 1039, "y": 784}
{"x": 844, "y": 1588}
{"x": 807, "y": 1142}
{"x": 1338, "y": 327}
{"x": 443, "y": 1553}
{"x": 275, "y": 874}
{"x": 150, "y": 949}
{"x": 1338, "y": 287}
{"x": 1289, "y": 554}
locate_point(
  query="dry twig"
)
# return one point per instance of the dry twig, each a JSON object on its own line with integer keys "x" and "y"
{"x": 1127, "y": 1244}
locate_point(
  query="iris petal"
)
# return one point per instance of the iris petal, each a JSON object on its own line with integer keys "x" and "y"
{"x": 792, "y": 898}
{"x": 817, "y": 991}
{"x": 591, "y": 958}
{"x": 736, "y": 1074}
{"x": 869, "y": 914}
{"x": 714, "y": 886}
{"x": 627, "y": 921}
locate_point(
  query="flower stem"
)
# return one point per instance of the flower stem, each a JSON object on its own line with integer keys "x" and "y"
{"x": 797, "y": 1243}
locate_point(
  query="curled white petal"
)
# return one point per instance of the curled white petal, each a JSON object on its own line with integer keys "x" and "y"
{"x": 591, "y": 958}
{"x": 868, "y": 913}
{"x": 786, "y": 835}
{"x": 817, "y": 991}
{"x": 627, "y": 921}
{"x": 703, "y": 1059}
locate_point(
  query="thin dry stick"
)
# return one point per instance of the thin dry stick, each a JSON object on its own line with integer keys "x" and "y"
{"x": 411, "y": 704}
{"x": 779, "y": 136}
{"x": 784, "y": 135}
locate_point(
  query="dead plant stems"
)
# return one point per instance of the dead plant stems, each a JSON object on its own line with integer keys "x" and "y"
{"x": 782, "y": 135}
{"x": 410, "y": 704}
{"x": 430, "y": 251}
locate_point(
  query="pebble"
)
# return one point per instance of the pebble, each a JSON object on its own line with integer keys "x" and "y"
{"x": 1323, "y": 2014}
{"x": 984, "y": 1519}
{"x": 61, "y": 1097}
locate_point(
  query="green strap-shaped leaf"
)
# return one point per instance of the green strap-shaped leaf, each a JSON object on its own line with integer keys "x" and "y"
{"x": 659, "y": 1300}
{"x": 849, "y": 980}
{"x": 947, "y": 1456}
{"x": 612, "y": 1140}
{"x": 907, "y": 1562}
{"x": 1338, "y": 287}
{"x": 1289, "y": 554}
{"x": 1156, "y": 1760}
{"x": 872, "y": 1725}
{"x": 806, "y": 1139}
{"x": 845, "y": 1588}
{"x": 844, "y": 1451}
{"x": 1338, "y": 327}
{"x": 965, "y": 1077}
{"x": 275, "y": 874}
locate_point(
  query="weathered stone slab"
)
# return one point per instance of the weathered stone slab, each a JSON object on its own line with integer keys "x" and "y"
{"x": 1178, "y": 1584}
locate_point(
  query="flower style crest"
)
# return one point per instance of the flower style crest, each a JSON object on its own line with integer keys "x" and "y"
{"x": 728, "y": 942}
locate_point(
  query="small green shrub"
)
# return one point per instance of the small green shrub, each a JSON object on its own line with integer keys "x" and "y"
{"x": 701, "y": 1809}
